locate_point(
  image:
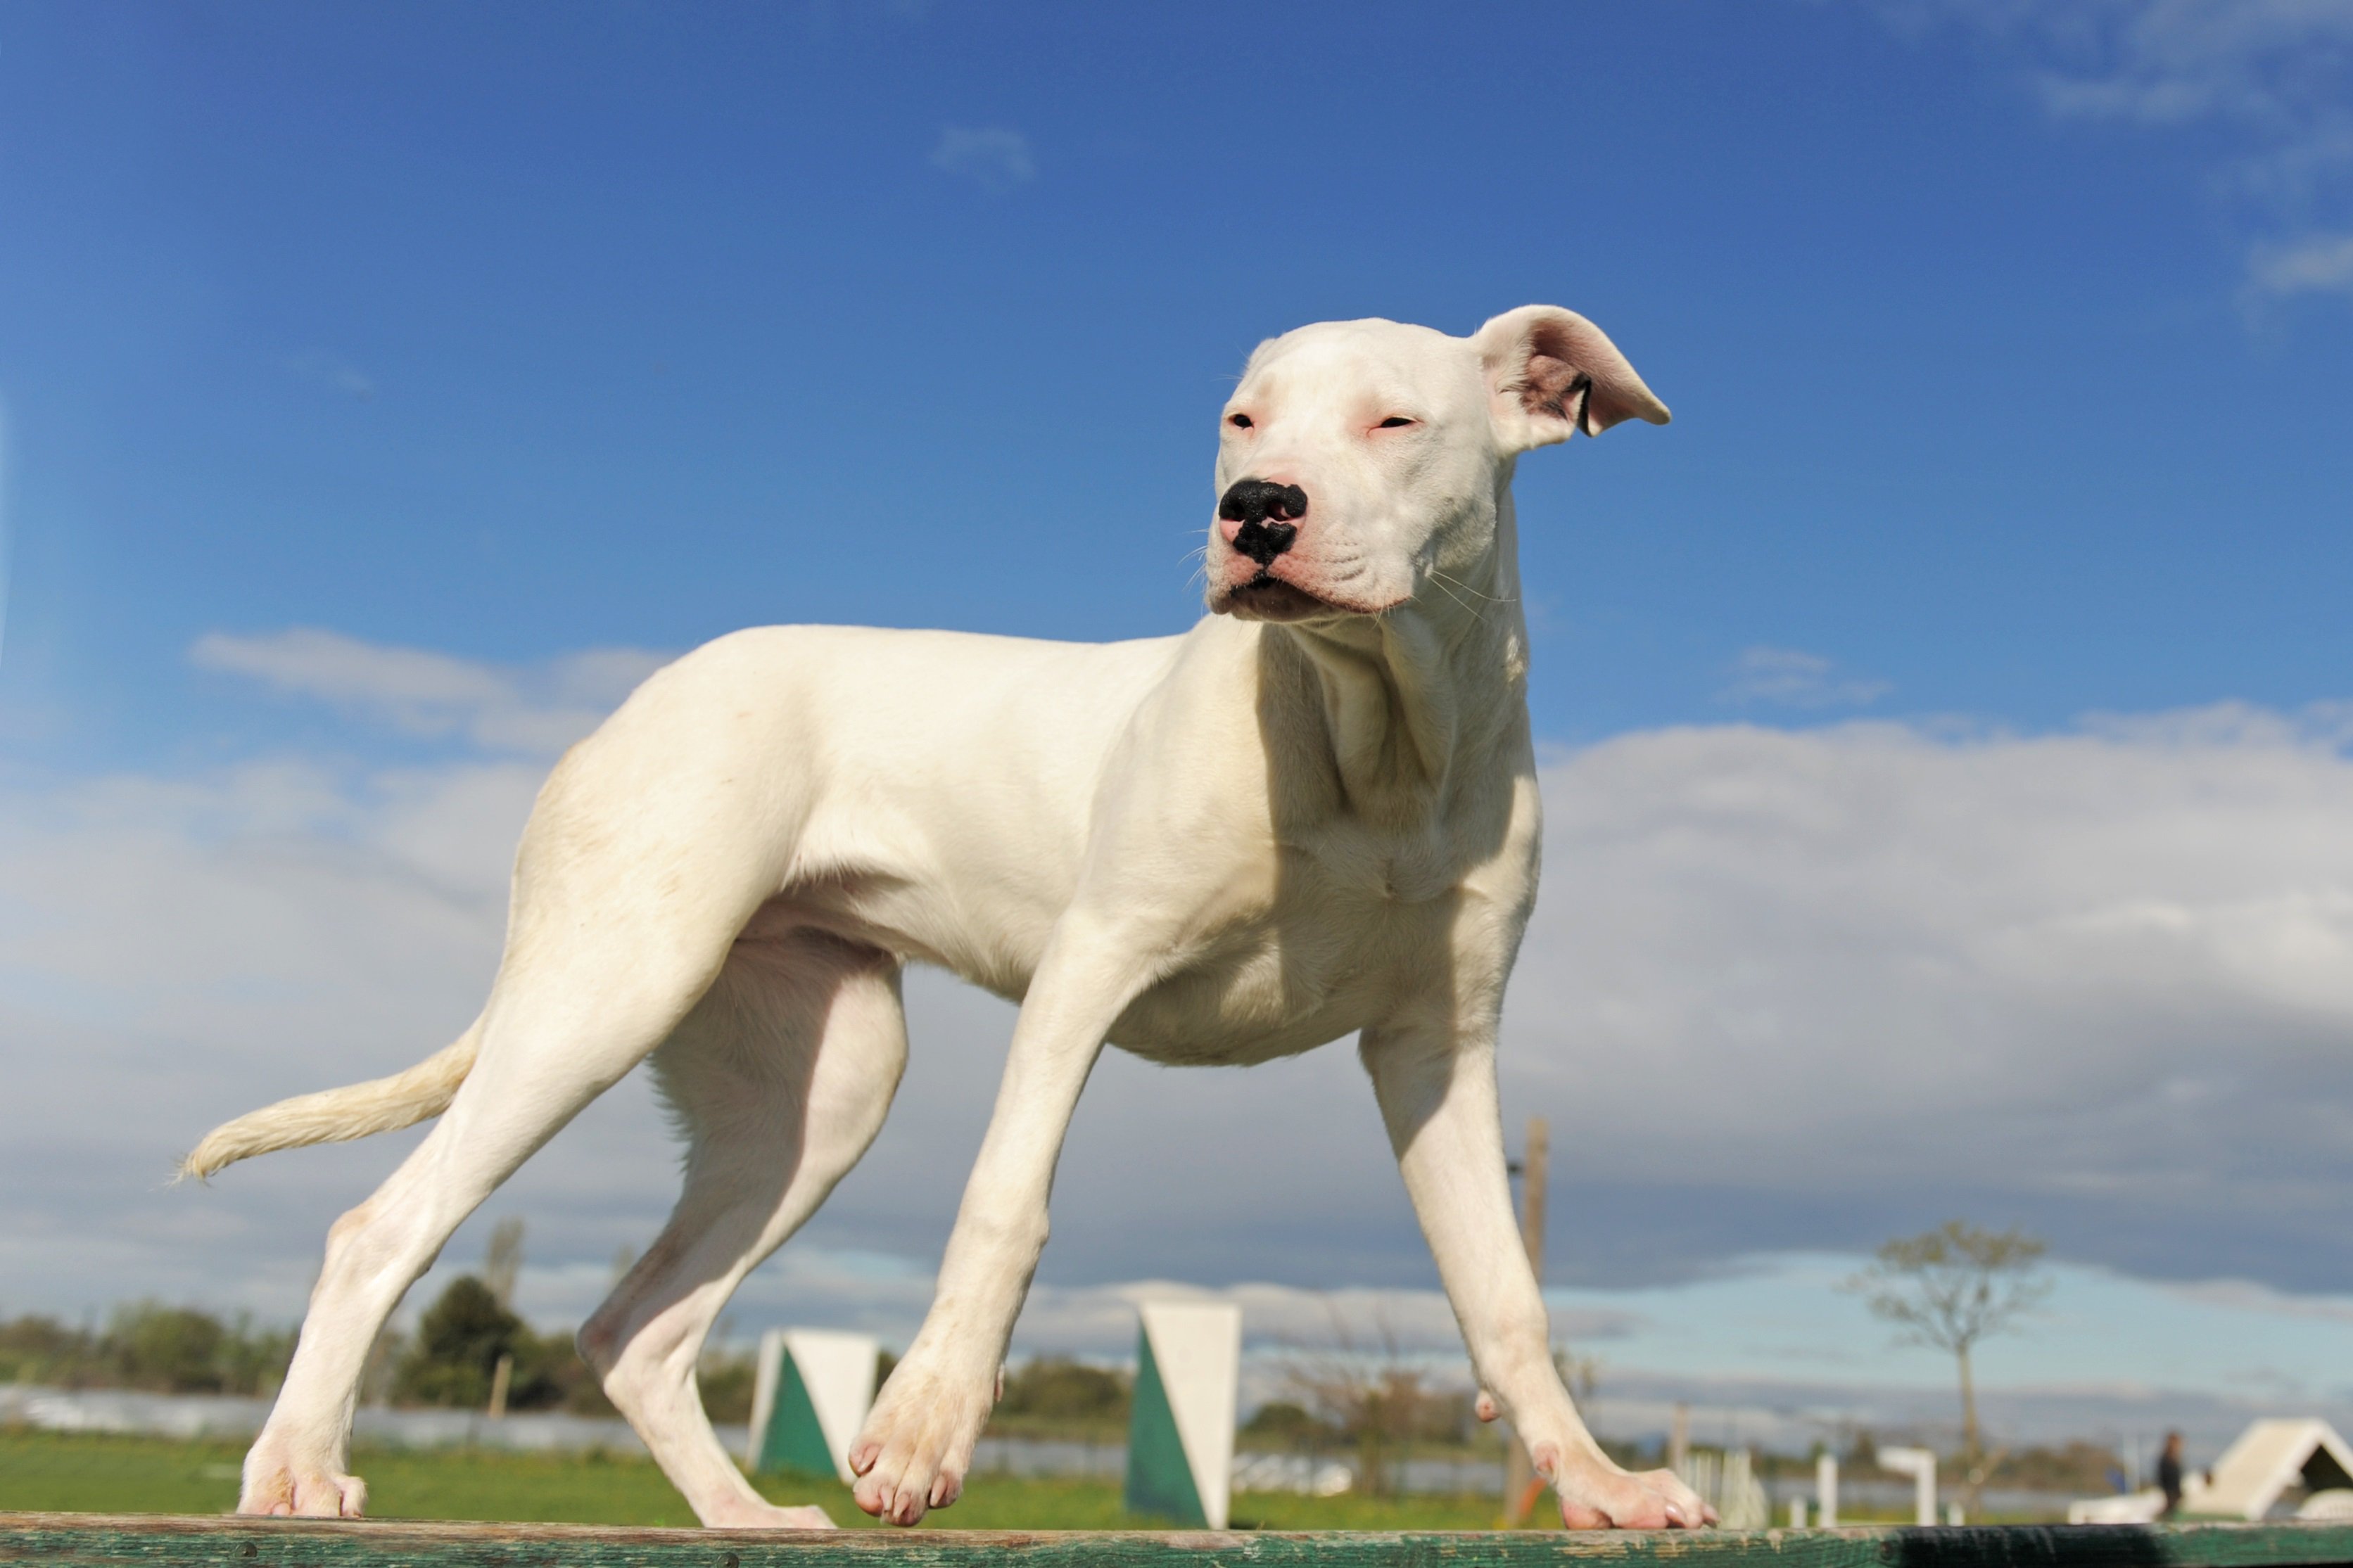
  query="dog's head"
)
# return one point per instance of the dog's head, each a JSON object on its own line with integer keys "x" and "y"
{"x": 1358, "y": 459}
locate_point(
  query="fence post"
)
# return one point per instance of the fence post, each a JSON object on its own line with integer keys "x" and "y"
{"x": 501, "y": 1379}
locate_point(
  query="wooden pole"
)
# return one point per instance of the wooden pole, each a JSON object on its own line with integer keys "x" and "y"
{"x": 501, "y": 1376}
{"x": 1521, "y": 1488}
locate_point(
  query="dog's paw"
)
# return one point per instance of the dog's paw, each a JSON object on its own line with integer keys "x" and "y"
{"x": 1597, "y": 1495}
{"x": 916, "y": 1445}
{"x": 769, "y": 1516}
{"x": 276, "y": 1486}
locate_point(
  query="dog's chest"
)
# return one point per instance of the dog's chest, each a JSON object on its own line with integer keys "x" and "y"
{"x": 1357, "y": 924}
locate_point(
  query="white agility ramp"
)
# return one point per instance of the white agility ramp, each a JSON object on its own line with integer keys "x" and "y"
{"x": 809, "y": 1397}
{"x": 2269, "y": 1458}
{"x": 1180, "y": 1437}
{"x": 2253, "y": 1473}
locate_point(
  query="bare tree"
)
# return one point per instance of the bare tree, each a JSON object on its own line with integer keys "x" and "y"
{"x": 1367, "y": 1390}
{"x": 502, "y": 1263}
{"x": 1950, "y": 1287}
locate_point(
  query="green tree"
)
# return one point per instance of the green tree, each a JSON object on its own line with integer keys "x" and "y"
{"x": 175, "y": 1350}
{"x": 253, "y": 1358}
{"x": 457, "y": 1348}
{"x": 725, "y": 1377}
{"x": 1949, "y": 1289}
{"x": 1371, "y": 1392}
{"x": 42, "y": 1350}
{"x": 1059, "y": 1390}
{"x": 1291, "y": 1424}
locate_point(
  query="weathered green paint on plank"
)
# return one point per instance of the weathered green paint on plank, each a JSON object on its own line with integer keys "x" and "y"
{"x": 98, "y": 1541}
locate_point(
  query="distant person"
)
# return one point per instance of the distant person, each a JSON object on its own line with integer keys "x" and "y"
{"x": 2168, "y": 1475}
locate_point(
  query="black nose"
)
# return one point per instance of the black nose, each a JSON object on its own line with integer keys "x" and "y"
{"x": 1267, "y": 512}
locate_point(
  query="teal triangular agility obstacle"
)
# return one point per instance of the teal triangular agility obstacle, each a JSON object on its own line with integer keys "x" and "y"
{"x": 812, "y": 1390}
{"x": 795, "y": 1439}
{"x": 1159, "y": 1476}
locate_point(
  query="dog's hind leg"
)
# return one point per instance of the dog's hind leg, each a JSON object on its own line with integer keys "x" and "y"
{"x": 780, "y": 1078}
{"x": 513, "y": 1102}
{"x": 549, "y": 1047}
{"x": 643, "y": 861}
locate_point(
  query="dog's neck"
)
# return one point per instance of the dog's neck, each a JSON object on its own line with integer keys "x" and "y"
{"x": 1418, "y": 702}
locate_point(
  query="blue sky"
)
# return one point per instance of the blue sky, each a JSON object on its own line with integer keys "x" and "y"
{"x": 507, "y": 331}
{"x": 1980, "y": 615}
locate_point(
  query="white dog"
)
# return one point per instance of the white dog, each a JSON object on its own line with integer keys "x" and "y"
{"x": 1314, "y": 814}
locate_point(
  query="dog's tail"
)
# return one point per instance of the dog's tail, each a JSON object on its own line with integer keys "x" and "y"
{"x": 380, "y": 1105}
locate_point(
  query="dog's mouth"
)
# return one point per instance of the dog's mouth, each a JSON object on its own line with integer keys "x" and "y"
{"x": 1267, "y": 597}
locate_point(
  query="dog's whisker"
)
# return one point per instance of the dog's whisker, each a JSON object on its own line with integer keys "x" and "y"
{"x": 1439, "y": 583}
{"x": 1491, "y": 598}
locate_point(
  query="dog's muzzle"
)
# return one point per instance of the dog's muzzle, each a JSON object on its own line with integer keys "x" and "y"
{"x": 1269, "y": 514}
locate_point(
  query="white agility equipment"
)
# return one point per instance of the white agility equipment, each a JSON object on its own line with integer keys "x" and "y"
{"x": 1826, "y": 1492}
{"x": 1302, "y": 1474}
{"x": 2261, "y": 1466}
{"x": 2142, "y": 1507}
{"x": 2270, "y": 1458}
{"x": 1727, "y": 1480}
{"x": 1313, "y": 816}
{"x": 1180, "y": 1436}
{"x": 1920, "y": 1463}
{"x": 810, "y": 1392}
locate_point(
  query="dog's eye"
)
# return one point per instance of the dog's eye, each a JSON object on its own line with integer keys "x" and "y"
{"x": 1398, "y": 422}
{"x": 1239, "y": 421}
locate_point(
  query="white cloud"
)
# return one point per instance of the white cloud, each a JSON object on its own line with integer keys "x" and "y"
{"x": 2100, "y": 981}
{"x": 2269, "y": 63}
{"x": 1783, "y": 990}
{"x": 2272, "y": 63}
{"x": 2278, "y": 72}
{"x": 539, "y": 710}
{"x": 2322, "y": 264}
{"x": 990, "y": 156}
{"x": 2246, "y": 1296}
{"x": 334, "y": 375}
{"x": 1792, "y": 679}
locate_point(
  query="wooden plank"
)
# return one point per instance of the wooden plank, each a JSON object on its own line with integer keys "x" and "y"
{"x": 106, "y": 1540}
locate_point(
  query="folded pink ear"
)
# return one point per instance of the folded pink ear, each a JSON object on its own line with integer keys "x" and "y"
{"x": 1551, "y": 373}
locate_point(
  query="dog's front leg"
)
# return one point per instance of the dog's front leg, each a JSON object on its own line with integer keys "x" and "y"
{"x": 1436, "y": 1085}
{"x": 917, "y": 1444}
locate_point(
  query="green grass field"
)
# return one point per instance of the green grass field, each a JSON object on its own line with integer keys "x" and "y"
{"x": 95, "y": 1474}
